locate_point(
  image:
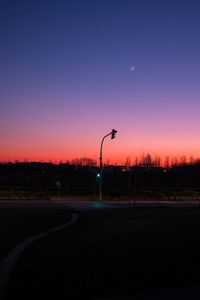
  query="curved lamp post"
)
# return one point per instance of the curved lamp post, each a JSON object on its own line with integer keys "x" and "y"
{"x": 112, "y": 133}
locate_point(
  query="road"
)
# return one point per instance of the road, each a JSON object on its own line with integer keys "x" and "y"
{"x": 83, "y": 205}
{"x": 191, "y": 292}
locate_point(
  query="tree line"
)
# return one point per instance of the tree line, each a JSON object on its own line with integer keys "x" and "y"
{"x": 145, "y": 179}
{"x": 147, "y": 160}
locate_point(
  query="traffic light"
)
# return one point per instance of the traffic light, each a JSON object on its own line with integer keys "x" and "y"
{"x": 113, "y": 133}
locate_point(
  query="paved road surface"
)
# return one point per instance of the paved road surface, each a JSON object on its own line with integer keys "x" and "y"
{"x": 82, "y": 205}
{"x": 182, "y": 293}
{"x": 90, "y": 205}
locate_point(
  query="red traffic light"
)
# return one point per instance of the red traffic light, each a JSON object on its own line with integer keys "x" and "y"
{"x": 113, "y": 133}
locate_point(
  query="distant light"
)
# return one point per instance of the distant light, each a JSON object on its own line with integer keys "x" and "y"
{"x": 132, "y": 68}
{"x": 98, "y": 174}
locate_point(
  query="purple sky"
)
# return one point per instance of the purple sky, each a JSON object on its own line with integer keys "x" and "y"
{"x": 66, "y": 79}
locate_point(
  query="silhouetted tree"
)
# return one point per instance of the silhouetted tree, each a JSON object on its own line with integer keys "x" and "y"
{"x": 166, "y": 162}
{"x": 136, "y": 161}
{"x": 174, "y": 161}
{"x": 83, "y": 162}
{"x": 183, "y": 160}
{"x": 127, "y": 163}
{"x": 157, "y": 161}
{"x": 147, "y": 160}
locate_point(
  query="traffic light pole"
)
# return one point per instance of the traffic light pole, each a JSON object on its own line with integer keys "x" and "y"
{"x": 113, "y": 132}
{"x": 101, "y": 167}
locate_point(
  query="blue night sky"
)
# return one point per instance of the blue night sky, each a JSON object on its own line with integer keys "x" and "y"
{"x": 66, "y": 78}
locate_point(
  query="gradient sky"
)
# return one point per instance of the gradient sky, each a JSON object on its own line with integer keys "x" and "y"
{"x": 65, "y": 78}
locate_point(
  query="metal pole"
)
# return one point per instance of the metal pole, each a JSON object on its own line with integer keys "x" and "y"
{"x": 101, "y": 166}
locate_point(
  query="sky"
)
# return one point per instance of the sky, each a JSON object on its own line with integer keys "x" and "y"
{"x": 71, "y": 71}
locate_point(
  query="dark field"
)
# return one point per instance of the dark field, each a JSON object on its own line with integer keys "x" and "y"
{"x": 106, "y": 253}
{"x": 20, "y": 223}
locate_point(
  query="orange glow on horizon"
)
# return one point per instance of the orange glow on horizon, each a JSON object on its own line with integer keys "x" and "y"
{"x": 116, "y": 151}
{"x": 108, "y": 158}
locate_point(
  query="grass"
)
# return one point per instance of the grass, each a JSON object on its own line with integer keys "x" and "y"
{"x": 161, "y": 193}
{"x": 113, "y": 252}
